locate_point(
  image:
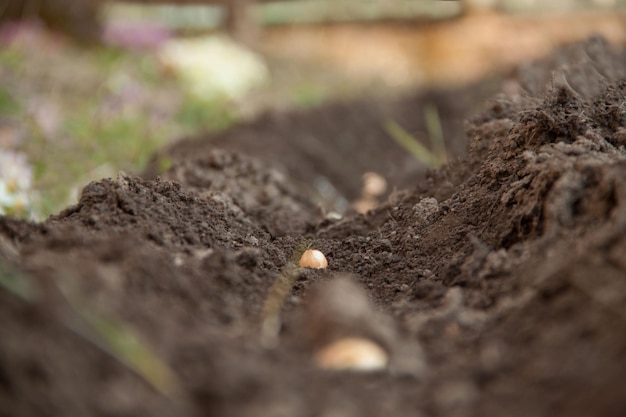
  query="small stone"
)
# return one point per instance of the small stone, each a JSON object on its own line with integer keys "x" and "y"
{"x": 425, "y": 208}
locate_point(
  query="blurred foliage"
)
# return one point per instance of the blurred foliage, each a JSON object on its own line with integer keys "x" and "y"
{"x": 100, "y": 328}
{"x": 121, "y": 342}
{"x": 81, "y": 115}
{"x": 197, "y": 114}
{"x": 431, "y": 158}
{"x": 435, "y": 133}
{"x": 198, "y": 16}
{"x": 308, "y": 95}
{"x": 8, "y": 105}
{"x": 15, "y": 283}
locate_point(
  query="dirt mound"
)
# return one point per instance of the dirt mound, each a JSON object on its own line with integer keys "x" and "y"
{"x": 339, "y": 142}
{"x": 496, "y": 284}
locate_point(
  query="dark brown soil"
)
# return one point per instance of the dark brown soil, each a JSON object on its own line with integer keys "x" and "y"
{"x": 498, "y": 282}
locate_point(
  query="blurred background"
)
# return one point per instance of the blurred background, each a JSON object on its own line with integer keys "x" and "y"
{"x": 88, "y": 88}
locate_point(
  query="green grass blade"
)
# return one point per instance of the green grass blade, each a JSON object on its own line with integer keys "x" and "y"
{"x": 412, "y": 145}
{"x": 435, "y": 132}
{"x": 15, "y": 283}
{"x": 118, "y": 340}
{"x": 131, "y": 351}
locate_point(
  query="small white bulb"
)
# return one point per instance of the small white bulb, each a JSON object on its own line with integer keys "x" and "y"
{"x": 312, "y": 258}
{"x": 374, "y": 185}
{"x": 353, "y": 354}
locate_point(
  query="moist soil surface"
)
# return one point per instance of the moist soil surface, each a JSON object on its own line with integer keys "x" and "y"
{"x": 496, "y": 285}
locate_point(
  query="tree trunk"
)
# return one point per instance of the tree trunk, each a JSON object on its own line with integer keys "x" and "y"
{"x": 241, "y": 22}
{"x": 78, "y": 19}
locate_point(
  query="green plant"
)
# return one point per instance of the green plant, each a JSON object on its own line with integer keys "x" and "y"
{"x": 99, "y": 328}
{"x": 431, "y": 158}
{"x": 435, "y": 132}
{"x": 308, "y": 95}
{"x": 197, "y": 114}
{"x": 8, "y": 105}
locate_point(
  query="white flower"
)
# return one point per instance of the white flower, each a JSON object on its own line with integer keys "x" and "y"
{"x": 16, "y": 178}
{"x": 15, "y": 170}
{"x": 6, "y": 198}
{"x": 214, "y": 66}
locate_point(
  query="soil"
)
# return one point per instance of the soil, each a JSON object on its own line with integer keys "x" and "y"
{"x": 497, "y": 284}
